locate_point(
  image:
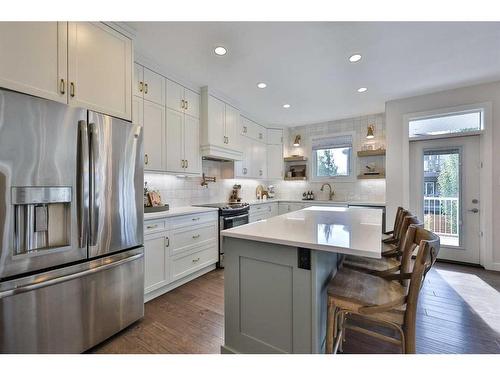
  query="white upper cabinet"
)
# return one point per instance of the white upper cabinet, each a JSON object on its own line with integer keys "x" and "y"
{"x": 138, "y": 81}
{"x": 175, "y": 141}
{"x": 100, "y": 69}
{"x": 154, "y": 136}
{"x": 214, "y": 132}
{"x": 243, "y": 167}
{"x": 137, "y": 111}
{"x": 274, "y": 136}
{"x": 192, "y": 103}
{"x": 154, "y": 87}
{"x": 220, "y": 128}
{"x": 183, "y": 143}
{"x": 182, "y": 99}
{"x": 192, "y": 144}
{"x": 34, "y": 58}
{"x": 232, "y": 127}
{"x": 253, "y": 130}
{"x": 275, "y": 161}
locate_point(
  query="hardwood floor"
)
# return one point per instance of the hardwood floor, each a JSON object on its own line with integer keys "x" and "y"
{"x": 459, "y": 312}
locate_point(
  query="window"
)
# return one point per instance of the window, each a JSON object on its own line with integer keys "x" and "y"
{"x": 446, "y": 124}
{"x": 332, "y": 157}
{"x": 429, "y": 189}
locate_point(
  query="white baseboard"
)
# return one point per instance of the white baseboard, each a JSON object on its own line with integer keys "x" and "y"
{"x": 167, "y": 288}
{"x": 492, "y": 267}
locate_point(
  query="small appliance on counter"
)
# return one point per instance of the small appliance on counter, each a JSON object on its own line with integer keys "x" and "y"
{"x": 235, "y": 194}
{"x": 271, "y": 192}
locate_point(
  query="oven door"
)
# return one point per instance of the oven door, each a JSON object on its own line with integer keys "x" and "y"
{"x": 234, "y": 221}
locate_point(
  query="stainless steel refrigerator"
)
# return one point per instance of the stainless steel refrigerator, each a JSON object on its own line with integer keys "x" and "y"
{"x": 71, "y": 226}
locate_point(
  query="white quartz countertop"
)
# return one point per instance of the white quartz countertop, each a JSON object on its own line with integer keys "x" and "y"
{"x": 354, "y": 231}
{"x": 319, "y": 202}
{"x": 178, "y": 211}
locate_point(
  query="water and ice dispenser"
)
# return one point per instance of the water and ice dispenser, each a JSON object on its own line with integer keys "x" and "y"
{"x": 42, "y": 218}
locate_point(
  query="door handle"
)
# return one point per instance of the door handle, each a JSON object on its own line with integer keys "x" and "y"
{"x": 474, "y": 210}
{"x": 83, "y": 183}
{"x": 94, "y": 183}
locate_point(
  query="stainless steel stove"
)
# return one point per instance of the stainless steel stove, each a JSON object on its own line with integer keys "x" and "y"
{"x": 230, "y": 215}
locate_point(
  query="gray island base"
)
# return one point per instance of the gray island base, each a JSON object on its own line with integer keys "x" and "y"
{"x": 275, "y": 292}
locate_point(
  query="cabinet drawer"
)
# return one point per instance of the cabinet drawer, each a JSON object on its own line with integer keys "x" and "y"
{"x": 188, "y": 264}
{"x": 182, "y": 221}
{"x": 260, "y": 208}
{"x": 187, "y": 238}
{"x": 258, "y": 216}
{"x": 152, "y": 226}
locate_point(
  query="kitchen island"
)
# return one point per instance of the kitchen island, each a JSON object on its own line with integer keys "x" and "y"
{"x": 277, "y": 271}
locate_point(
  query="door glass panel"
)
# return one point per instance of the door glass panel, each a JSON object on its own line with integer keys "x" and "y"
{"x": 442, "y": 195}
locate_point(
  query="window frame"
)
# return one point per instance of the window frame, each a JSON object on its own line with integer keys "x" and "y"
{"x": 352, "y": 159}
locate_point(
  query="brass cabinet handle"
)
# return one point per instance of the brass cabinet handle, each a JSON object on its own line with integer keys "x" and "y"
{"x": 145, "y": 88}
{"x": 152, "y": 226}
{"x": 62, "y": 87}
{"x": 196, "y": 260}
{"x": 260, "y": 172}
{"x": 72, "y": 89}
{"x": 195, "y": 218}
{"x": 187, "y": 104}
{"x": 245, "y": 129}
{"x": 244, "y": 171}
{"x": 167, "y": 242}
{"x": 196, "y": 236}
{"x": 187, "y": 163}
{"x": 182, "y": 104}
{"x": 141, "y": 86}
{"x": 146, "y": 159}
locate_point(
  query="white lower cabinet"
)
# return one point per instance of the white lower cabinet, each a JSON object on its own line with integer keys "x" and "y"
{"x": 178, "y": 249}
{"x": 156, "y": 267}
{"x": 262, "y": 211}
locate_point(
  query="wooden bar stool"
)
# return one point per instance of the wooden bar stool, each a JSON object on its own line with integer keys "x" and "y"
{"x": 390, "y": 247}
{"x": 389, "y": 301}
{"x": 389, "y": 263}
{"x": 389, "y": 236}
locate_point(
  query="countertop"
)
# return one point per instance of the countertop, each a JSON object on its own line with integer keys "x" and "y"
{"x": 354, "y": 231}
{"x": 178, "y": 211}
{"x": 319, "y": 202}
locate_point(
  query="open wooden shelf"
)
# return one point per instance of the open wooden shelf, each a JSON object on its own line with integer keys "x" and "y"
{"x": 295, "y": 158}
{"x": 295, "y": 178}
{"x": 371, "y": 176}
{"x": 371, "y": 153}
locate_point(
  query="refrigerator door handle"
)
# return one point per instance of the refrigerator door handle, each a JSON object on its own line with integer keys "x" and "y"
{"x": 63, "y": 278}
{"x": 94, "y": 174}
{"x": 83, "y": 183}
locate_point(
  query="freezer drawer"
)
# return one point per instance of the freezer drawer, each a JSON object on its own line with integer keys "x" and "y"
{"x": 69, "y": 310}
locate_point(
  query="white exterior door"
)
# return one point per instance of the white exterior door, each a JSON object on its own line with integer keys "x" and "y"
{"x": 444, "y": 193}
{"x": 34, "y": 58}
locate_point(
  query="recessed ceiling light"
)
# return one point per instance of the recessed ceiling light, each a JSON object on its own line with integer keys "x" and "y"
{"x": 261, "y": 85}
{"x": 286, "y": 105}
{"x": 221, "y": 51}
{"x": 355, "y": 58}
{"x": 362, "y": 89}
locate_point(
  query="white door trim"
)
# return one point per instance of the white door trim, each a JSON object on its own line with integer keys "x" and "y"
{"x": 486, "y": 174}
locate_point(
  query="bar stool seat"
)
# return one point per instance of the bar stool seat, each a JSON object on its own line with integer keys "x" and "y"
{"x": 372, "y": 265}
{"x": 355, "y": 291}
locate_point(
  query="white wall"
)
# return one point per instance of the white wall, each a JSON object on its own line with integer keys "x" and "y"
{"x": 397, "y": 161}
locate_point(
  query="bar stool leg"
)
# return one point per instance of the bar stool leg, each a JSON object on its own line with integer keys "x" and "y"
{"x": 331, "y": 326}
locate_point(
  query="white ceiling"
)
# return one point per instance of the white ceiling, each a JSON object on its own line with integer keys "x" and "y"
{"x": 306, "y": 64}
